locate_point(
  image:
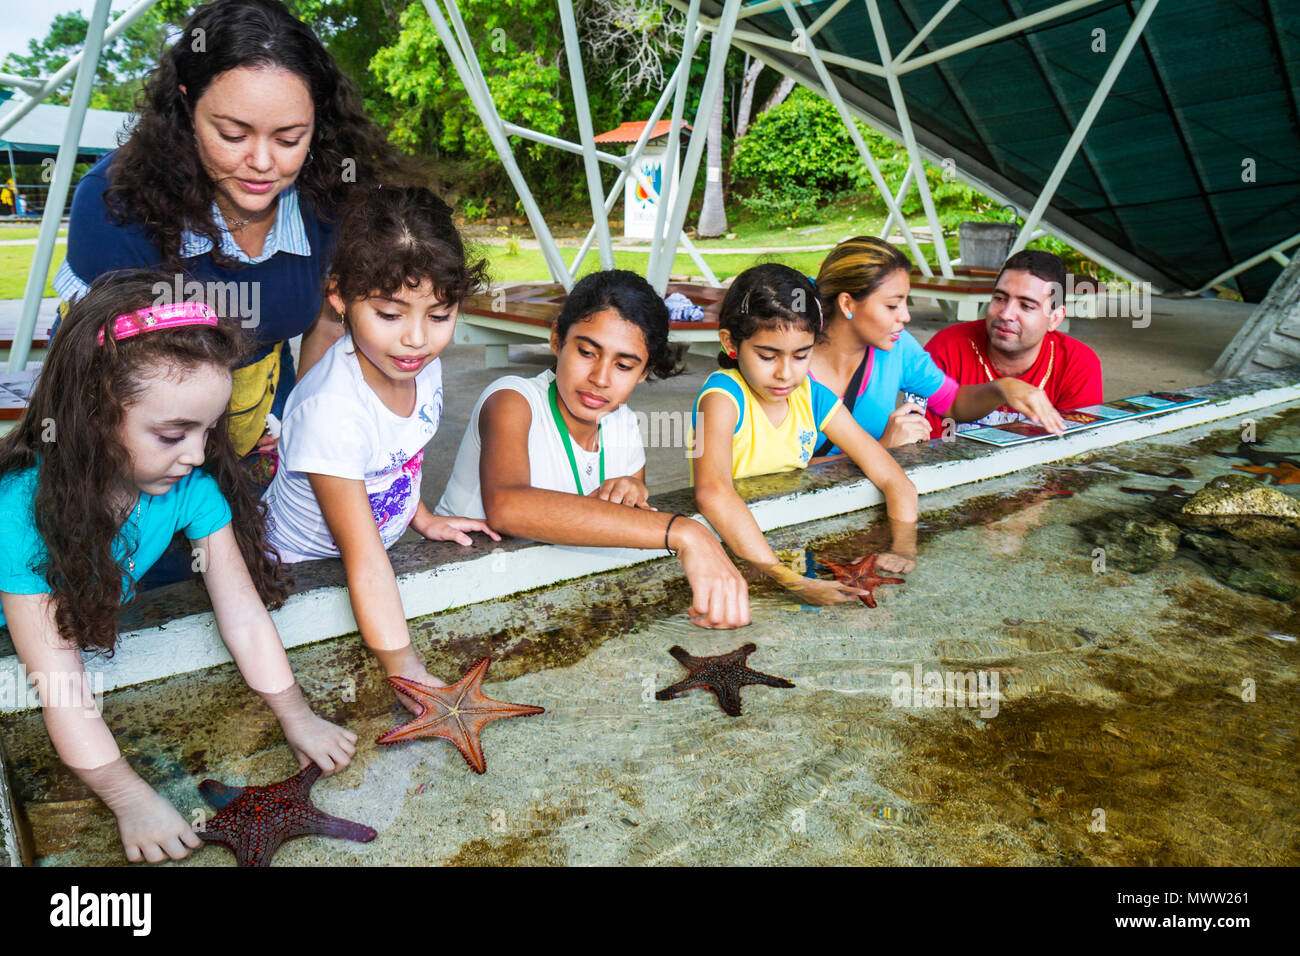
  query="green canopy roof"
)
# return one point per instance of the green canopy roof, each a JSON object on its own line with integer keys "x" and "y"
{"x": 1192, "y": 165}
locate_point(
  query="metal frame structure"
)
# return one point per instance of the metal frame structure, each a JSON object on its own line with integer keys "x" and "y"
{"x": 799, "y": 57}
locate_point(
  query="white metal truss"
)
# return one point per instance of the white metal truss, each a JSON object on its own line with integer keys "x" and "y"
{"x": 672, "y": 199}
{"x": 756, "y": 44}
{"x": 1273, "y": 252}
{"x": 87, "y": 64}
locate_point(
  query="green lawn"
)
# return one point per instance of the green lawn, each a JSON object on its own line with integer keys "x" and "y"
{"x": 16, "y": 262}
{"x": 8, "y": 231}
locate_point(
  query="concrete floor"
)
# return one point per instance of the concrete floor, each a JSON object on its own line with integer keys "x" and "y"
{"x": 1184, "y": 338}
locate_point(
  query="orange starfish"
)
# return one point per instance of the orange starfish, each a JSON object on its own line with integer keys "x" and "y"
{"x": 1285, "y": 473}
{"x": 457, "y": 713}
{"x": 862, "y": 574}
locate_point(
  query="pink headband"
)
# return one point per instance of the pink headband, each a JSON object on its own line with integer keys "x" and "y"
{"x": 160, "y": 317}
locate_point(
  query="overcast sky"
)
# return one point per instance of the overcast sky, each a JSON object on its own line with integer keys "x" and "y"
{"x": 23, "y": 20}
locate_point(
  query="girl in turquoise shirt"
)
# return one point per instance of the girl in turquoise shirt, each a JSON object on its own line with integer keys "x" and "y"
{"x": 124, "y": 444}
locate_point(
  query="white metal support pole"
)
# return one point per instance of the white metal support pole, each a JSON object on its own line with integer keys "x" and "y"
{"x": 465, "y": 60}
{"x": 1085, "y": 123}
{"x": 898, "y": 202}
{"x": 991, "y": 36}
{"x": 1270, "y": 253}
{"x": 721, "y": 46}
{"x": 578, "y": 80}
{"x": 668, "y": 188}
{"x": 826, "y": 17}
{"x": 58, "y": 194}
{"x": 680, "y": 75}
{"x": 909, "y": 139}
{"x": 27, "y": 84}
{"x": 123, "y": 21}
{"x": 832, "y": 93}
{"x": 926, "y": 30}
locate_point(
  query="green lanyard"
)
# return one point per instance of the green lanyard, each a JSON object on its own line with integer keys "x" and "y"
{"x": 563, "y": 429}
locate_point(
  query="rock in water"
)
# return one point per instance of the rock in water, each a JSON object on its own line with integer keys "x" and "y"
{"x": 1253, "y": 568}
{"x": 1246, "y": 509}
{"x": 1239, "y": 495}
{"x": 1133, "y": 542}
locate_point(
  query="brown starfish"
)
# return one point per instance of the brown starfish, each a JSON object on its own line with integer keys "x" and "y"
{"x": 1285, "y": 473}
{"x": 861, "y": 574}
{"x": 724, "y": 674}
{"x": 255, "y": 821}
{"x": 457, "y": 713}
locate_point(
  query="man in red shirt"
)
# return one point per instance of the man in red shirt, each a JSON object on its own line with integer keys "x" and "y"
{"x": 1018, "y": 338}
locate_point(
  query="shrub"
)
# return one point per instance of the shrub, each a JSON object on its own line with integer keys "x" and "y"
{"x": 791, "y": 205}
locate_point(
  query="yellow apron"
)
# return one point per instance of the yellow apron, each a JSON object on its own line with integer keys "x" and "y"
{"x": 251, "y": 400}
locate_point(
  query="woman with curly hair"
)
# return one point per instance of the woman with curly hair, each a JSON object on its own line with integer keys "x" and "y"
{"x": 123, "y": 445}
{"x": 249, "y": 139}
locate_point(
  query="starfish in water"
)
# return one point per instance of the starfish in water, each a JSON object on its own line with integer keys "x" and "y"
{"x": 862, "y": 574}
{"x": 255, "y": 821}
{"x": 457, "y": 713}
{"x": 724, "y": 674}
{"x": 1284, "y": 473}
{"x": 1261, "y": 456}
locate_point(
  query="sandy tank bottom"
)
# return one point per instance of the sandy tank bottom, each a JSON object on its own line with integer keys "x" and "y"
{"x": 1130, "y": 718}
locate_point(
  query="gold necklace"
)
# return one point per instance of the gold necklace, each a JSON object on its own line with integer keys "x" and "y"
{"x": 1051, "y": 359}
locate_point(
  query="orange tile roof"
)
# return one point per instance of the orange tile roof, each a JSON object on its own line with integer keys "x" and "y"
{"x": 630, "y": 132}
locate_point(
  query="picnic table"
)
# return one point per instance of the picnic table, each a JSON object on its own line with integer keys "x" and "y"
{"x": 524, "y": 313}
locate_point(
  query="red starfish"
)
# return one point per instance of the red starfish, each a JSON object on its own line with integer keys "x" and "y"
{"x": 457, "y": 713}
{"x": 1284, "y": 473}
{"x": 255, "y": 821}
{"x": 724, "y": 674}
{"x": 862, "y": 574}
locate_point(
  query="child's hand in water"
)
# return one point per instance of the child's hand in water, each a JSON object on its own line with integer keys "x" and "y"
{"x": 812, "y": 590}
{"x": 404, "y": 662}
{"x": 150, "y": 827}
{"x": 153, "y": 830}
{"x": 624, "y": 491}
{"x": 313, "y": 739}
{"x": 897, "y": 563}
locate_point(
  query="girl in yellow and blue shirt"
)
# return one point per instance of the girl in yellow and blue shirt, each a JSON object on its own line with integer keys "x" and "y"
{"x": 762, "y": 414}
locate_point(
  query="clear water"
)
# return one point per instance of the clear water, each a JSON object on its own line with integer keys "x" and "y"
{"x": 1121, "y": 733}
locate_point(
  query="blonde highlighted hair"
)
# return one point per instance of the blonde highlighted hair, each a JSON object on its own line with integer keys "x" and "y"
{"x": 857, "y": 266}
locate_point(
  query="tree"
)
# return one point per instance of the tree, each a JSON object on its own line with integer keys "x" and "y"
{"x": 753, "y": 67}
{"x": 713, "y": 212}
{"x": 124, "y": 62}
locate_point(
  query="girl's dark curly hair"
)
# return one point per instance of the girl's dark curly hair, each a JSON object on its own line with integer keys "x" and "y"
{"x": 632, "y": 297}
{"x": 70, "y": 430}
{"x": 156, "y": 179}
{"x": 768, "y": 296}
{"x": 396, "y": 236}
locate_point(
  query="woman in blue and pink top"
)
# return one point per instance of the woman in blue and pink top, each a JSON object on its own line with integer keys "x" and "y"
{"x": 868, "y": 356}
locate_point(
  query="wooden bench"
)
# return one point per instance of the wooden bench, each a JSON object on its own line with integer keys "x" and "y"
{"x": 40, "y": 337}
{"x": 524, "y": 313}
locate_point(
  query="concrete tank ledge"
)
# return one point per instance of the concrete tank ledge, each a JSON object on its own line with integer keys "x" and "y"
{"x": 172, "y": 631}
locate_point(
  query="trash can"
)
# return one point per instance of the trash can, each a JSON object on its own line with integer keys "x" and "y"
{"x": 986, "y": 245}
